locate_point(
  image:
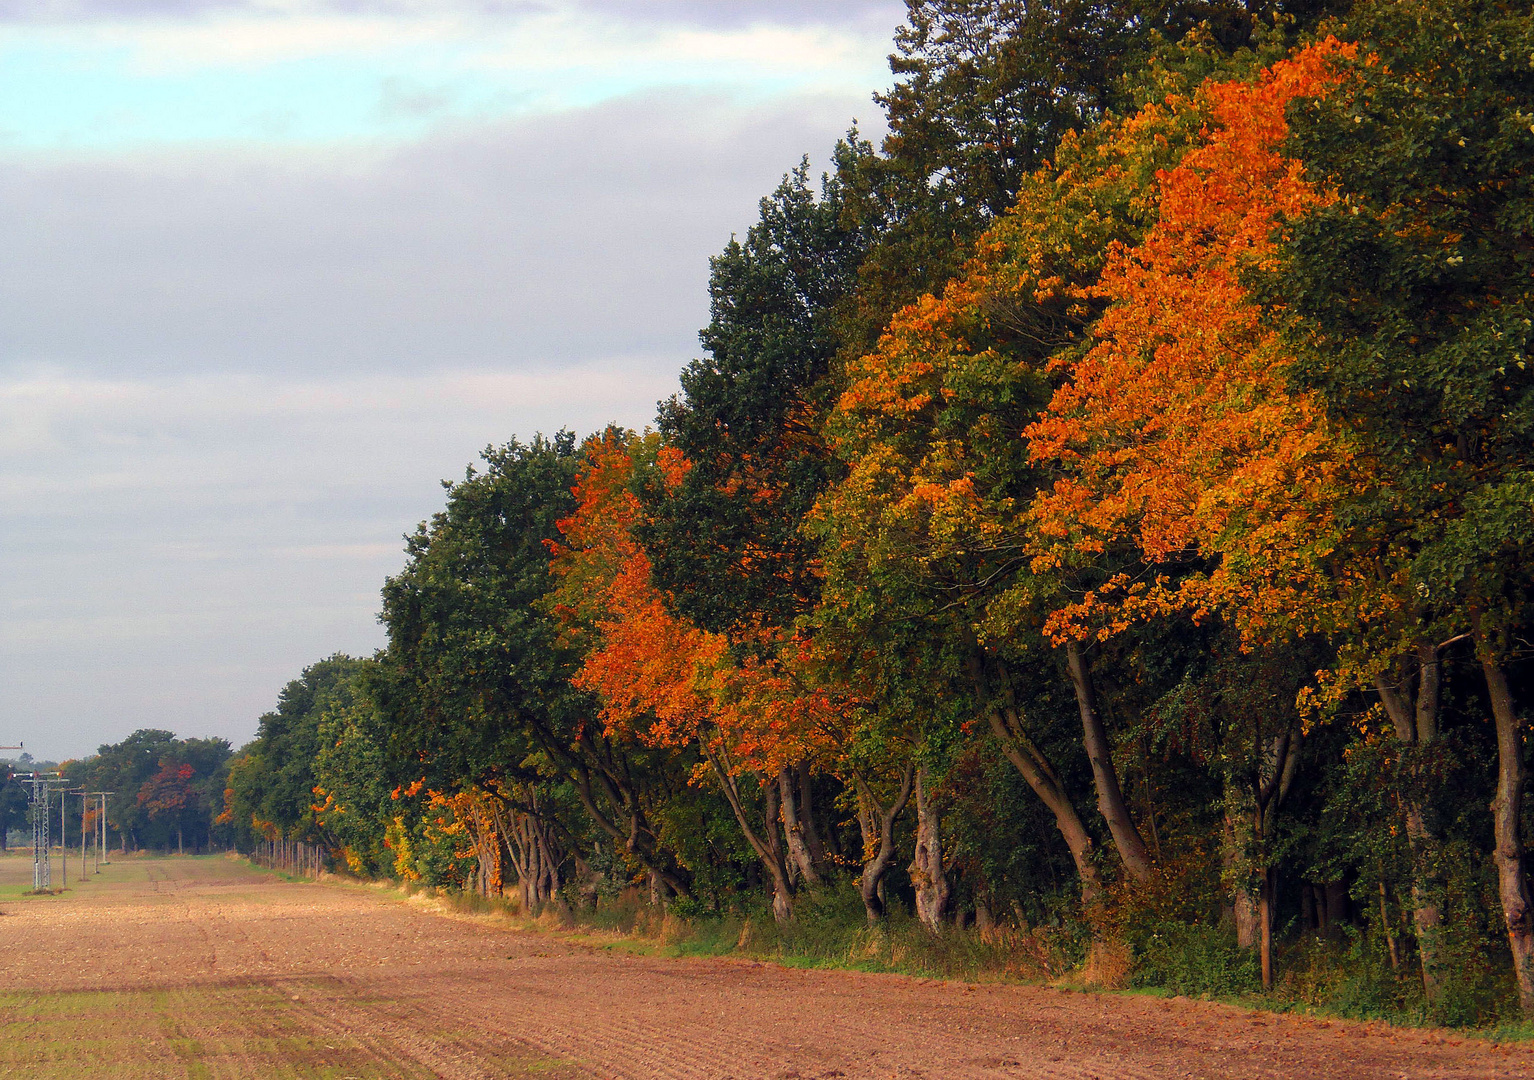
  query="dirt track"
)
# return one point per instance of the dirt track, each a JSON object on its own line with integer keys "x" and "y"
{"x": 206, "y": 968}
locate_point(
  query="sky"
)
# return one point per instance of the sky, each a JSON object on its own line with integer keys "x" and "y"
{"x": 271, "y": 271}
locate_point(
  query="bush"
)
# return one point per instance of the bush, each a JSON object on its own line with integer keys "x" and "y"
{"x": 1195, "y": 960}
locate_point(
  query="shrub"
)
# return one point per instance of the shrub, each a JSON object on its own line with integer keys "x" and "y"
{"x": 1194, "y": 960}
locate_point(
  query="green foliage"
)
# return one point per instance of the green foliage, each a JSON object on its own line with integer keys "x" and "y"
{"x": 354, "y": 780}
{"x": 164, "y": 789}
{"x": 271, "y": 784}
{"x": 1194, "y": 960}
{"x": 475, "y": 677}
{"x": 726, "y": 542}
{"x": 1410, "y": 296}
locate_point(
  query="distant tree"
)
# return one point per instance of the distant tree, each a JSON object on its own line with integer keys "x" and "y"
{"x": 170, "y": 797}
{"x": 13, "y": 804}
{"x": 124, "y": 768}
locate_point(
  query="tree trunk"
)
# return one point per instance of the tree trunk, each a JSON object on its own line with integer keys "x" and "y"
{"x": 1506, "y": 809}
{"x": 807, "y": 821}
{"x": 793, "y": 829}
{"x": 874, "y": 870}
{"x": 927, "y": 865}
{"x": 777, "y": 866}
{"x": 180, "y": 848}
{"x": 1416, "y": 725}
{"x": 1251, "y": 805}
{"x": 1040, "y": 775}
{"x": 1390, "y": 936}
{"x": 639, "y": 839}
{"x": 768, "y": 851}
{"x": 550, "y": 867}
{"x": 1336, "y": 907}
{"x": 1244, "y": 909}
{"x": 1110, "y": 797}
{"x": 1265, "y": 898}
{"x": 528, "y": 875}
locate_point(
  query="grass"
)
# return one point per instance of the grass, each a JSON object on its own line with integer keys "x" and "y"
{"x": 197, "y": 1032}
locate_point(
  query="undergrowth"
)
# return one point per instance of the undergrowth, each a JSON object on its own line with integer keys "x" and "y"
{"x": 1347, "y": 977}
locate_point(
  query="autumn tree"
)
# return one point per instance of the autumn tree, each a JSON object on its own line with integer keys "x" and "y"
{"x": 931, "y": 520}
{"x": 649, "y": 667}
{"x": 984, "y": 91}
{"x": 724, "y": 540}
{"x": 476, "y": 682}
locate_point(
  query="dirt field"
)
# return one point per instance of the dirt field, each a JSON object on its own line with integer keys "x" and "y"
{"x": 208, "y": 968}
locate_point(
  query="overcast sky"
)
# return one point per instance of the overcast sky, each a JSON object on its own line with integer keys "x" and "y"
{"x": 269, "y": 271}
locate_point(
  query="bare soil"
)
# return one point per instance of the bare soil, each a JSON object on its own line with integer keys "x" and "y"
{"x": 210, "y": 968}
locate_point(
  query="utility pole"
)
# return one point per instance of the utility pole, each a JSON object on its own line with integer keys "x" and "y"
{"x": 101, "y": 827}
{"x": 85, "y": 801}
{"x": 63, "y": 838}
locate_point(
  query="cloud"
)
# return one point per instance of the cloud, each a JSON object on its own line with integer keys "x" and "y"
{"x": 884, "y": 13}
{"x": 316, "y": 73}
{"x": 552, "y": 238}
{"x": 233, "y": 372}
{"x": 695, "y": 12}
{"x": 177, "y": 548}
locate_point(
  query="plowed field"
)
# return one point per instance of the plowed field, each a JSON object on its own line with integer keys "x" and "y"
{"x": 209, "y": 968}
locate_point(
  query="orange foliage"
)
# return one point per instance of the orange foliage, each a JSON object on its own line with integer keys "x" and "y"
{"x": 639, "y": 659}
{"x": 661, "y": 679}
{"x": 1177, "y": 430}
{"x": 927, "y": 417}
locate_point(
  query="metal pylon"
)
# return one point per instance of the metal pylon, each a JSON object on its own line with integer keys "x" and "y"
{"x": 42, "y": 860}
{"x": 42, "y": 857}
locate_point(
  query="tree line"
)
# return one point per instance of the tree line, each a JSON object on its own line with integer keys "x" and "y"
{"x": 1104, "y": 505}
{"x": 165, "y": 794}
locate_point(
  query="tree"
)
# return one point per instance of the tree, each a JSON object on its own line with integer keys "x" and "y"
{"x": 1411, "y": 324}
{"x": 13, "y": 804}
{"x": 722, "y": 537}
{"x": 984, "y": 92}
{"x": 476, "y": 682}
{"x": 270, "y": 792}
{"x": 647, "y": 666}
{"x": 1180, "y": 446}
{"x": 724, "y": 541}
{"x": 354, "y": 778}
{"x": 931, "y": 519}
{"x": 170, "y": 797}
{"x": 126, "y": 769}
